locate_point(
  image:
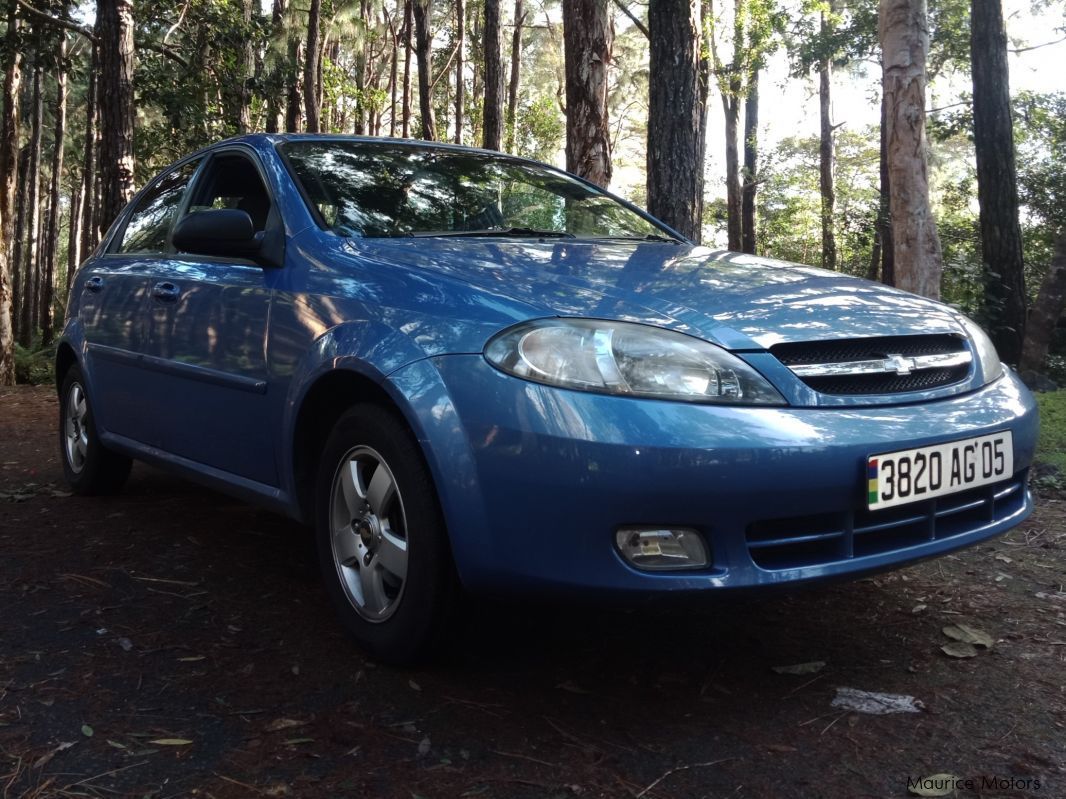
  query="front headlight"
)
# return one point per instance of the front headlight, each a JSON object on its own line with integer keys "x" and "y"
{"x": 984, "y": 349}
{"x": 629, "y": 359}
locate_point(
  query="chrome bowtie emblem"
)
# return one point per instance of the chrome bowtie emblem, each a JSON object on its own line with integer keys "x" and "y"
{"x": 899, "y": 364}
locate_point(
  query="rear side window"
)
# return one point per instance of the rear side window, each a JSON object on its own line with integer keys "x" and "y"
{"x": 150, "y": 222}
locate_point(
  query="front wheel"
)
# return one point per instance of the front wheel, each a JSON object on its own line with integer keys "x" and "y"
{"x": 90, "y": 468}
{"x": 382, "y": 543}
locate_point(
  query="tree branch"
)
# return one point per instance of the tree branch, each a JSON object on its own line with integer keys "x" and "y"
{"x": 640, "y": 25}
{"x": 62, "y": 23}
{"x": 444, "y": 70}
{"x": 1018, "y": 50}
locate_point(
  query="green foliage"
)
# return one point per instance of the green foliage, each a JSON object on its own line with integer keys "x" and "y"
{"x": 539, "y": 129}
{"x": 1051, "y": 446}
{"x": 789, "y": 213}
{"x": 1040, "y": 138}
{"x": 35, "y": 366}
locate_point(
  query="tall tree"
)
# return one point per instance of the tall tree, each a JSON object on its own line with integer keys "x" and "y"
{"x": 51, "y": 241}
{"x": 8, "y": 182}
{"x": 30, "y": 261}
{"x": 904, "y": 34}
{"x": 247, "y": 65}
{"x": 826, "y": 154}
{"x": 747, "y": 28}
{"x": 275, "y": 84}
{"x": 408, "y": 32}
{"x": 588, "y": 36}
{"x": 460, "y": 30}
{"x": 492, "y": 116}
{"x": 675, "y": 116}
{"x": 751, "y": 165}
{"x": 516, "y": 70}
{"x": 312, "y": 54}
{"x": 114, "y": 21}
{"x": 90, "y": 236}
{"x": 1046, "y": 311}
{"x": 423, "y": 16}
{"x": 997, "y": 180}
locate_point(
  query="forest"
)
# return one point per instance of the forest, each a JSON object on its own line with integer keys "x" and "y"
{"x": 881, "y": 139}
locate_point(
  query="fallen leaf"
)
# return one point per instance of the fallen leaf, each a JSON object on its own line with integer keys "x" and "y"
{"x": 86, "y": 730}
{"x": 813, "y": 667}
{"x": 44, "y": 759}
{"x": 959, "y": 649}
{"x": 295, "y": 741}
{"x": 969, "y": 635}
{"x": 875, "y": 704}
{"x": 572, "y": 687}
{"x": 414, "y": 686}
{"x": 171, "y": 742}
{"x": 1006, "y": 559}
{"x": 934, "y": 785}
{"x": 126, "y": 644}
{"x": 918, "y": 608}
{"x": 195, "y": 659}
{"x": 781, "y": 748}
{"x": 284, "y": 724}
{"x": 115, "y": 744}
{"x": 424, "y": 746}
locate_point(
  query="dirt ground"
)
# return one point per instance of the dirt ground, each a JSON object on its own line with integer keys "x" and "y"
{"x": 173, "y": 642}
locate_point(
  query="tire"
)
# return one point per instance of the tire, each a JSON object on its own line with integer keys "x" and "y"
{"x": 89, "y": 467}
{"x": 381, "y": 538}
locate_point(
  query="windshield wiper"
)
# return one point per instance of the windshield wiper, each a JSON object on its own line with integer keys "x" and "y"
{"x": 648, "y": 237}
{"x": 515, "y": 232}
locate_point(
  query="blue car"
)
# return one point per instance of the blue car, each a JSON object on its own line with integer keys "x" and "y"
{"x": 469, "y": 371}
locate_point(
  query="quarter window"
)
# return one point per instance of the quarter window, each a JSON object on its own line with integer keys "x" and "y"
{"x": 149, "y": 224}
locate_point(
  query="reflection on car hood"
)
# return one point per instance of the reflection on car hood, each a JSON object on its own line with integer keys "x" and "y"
{"x": 739, "y": 301}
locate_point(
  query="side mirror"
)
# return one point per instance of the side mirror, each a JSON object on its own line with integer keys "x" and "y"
{"x": 222, "y": 231}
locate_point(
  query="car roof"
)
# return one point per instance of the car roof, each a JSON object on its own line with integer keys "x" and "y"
{"x": 421, "y": 144}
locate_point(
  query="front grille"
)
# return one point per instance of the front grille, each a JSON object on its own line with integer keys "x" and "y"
{"x": 808, "y": 357}
{"x": 823, "y": 539}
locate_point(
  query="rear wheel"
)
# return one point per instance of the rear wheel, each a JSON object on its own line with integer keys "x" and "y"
{"x": 382, "y": 544}
{"x": 90, "y": 468}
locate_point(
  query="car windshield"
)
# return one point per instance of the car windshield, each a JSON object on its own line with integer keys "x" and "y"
{"x": 378, "y": 190}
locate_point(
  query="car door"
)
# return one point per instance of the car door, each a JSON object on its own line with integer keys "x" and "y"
{"x": 113, "y": 304}
{"x": 206, "y": 335}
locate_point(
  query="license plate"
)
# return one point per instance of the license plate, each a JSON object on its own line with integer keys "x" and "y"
{"x": 911, "y": 475}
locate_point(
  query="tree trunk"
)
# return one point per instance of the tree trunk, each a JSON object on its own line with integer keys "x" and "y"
{"x": 77, "y": 198}
{"x": 516, "y": 74}
{"x": 408, "y": 27}
{"x": 8, "y": 182}
{"x": 734, "y": 220}
{"x": 1045, "y": 313}
{"x": 31, "y": 262}
{"x": 275, "y": 117}
{"x": 294, "y": 93}
{"x": 90, "y": 236}
{"x": 115, "y": 30}
{"x": 394, "y": 76}
{"x": 492, "y": 118}
{"x": 312, "y": 100}
{"x": 423, "y": 15}
{"x": 751, "y": 163}
{"x": 675, "y": 115}
{"x": 904, "y": 33}
{"x": 19, "y": 237}
{"x": 460, "y": 35}
{"x": 826, "y": 159}
{"x": 51, "y": 245}
{"x": 588, "y": 36}
{"x": 997, "y": 180}
{"x": 884, "y": 213}
{"x": 244, "y": 116}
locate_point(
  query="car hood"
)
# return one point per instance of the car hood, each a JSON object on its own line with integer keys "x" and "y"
{"x": 738, "y": 301}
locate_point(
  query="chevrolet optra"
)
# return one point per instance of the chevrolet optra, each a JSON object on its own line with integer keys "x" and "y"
{"x": 469, "y": 370}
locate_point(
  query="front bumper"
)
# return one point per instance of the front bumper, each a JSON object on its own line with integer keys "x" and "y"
{"x": 534, "y": 481}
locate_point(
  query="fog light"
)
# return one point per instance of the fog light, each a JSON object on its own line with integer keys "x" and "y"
{"x": 661, "y": 549}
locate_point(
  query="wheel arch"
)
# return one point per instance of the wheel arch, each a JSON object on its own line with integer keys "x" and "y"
{"x": 65, "y": 358}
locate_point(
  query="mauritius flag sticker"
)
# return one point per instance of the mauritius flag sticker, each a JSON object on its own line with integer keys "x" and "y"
{"x": 871, "y": 478}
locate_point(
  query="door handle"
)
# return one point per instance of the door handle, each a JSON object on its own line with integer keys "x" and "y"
{"x": 94, "y": 284}
{"x": 166, "y": 291}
